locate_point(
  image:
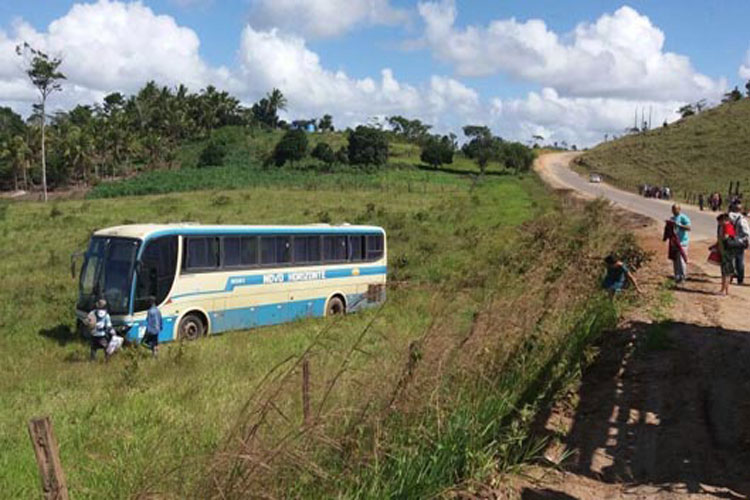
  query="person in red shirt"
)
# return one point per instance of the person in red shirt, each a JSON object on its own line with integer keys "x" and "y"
{"x": 726, "y": 241}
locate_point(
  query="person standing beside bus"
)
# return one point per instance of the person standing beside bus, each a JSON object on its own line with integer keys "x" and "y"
{"x": 153, "y": 327}
{"x": 102, "y": 329}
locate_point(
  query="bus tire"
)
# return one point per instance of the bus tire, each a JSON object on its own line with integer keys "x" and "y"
{"x": 191, "y": 327}
{"x": 335, "y": 307}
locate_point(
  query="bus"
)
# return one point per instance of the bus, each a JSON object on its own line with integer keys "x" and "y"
{"x": 212, "y": 279}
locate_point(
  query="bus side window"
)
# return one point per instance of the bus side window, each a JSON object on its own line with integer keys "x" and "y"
{"x": 374, "y": 246}
{"x": 357, "y": 248}
{"x": 275, "y": 250}
{"x": 201, "y": 253}
{"x": 306, "y": 249}
{"x": 335, "y": 248}
{"x": 240, "y": 251}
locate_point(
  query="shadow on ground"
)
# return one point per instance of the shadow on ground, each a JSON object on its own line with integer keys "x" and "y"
{"x": 62, "y": 334}
{"x": 666, "y": 404}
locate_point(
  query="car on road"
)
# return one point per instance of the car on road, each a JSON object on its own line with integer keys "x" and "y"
{"x": 595, "y": 178}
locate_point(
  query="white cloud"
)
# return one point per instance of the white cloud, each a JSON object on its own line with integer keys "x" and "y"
{"x": 576, "y": 120}
{"x": 273, "y": 59}
{"x": 114, "y": 46}
{"x": 323, "y": 18}
{"x": 745, "y": 67}
{"x": 620, "y": 55}
{"x": 108, "y": 46}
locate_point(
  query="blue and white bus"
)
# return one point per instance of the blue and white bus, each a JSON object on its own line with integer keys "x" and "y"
{"x": 211, "y": 279}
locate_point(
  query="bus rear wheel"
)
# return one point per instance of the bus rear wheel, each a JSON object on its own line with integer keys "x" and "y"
{"x": 335, "y": 307}
{"x": 191, "y": 327}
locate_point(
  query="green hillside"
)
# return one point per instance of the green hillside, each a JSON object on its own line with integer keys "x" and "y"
{"x": 700, "y": 153}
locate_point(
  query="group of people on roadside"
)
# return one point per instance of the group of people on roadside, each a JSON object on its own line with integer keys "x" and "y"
{"x": 659, "y": 192}
{"x": 715, "y": 201}
{"x": 104, "y": 337}
{"x": 732, "y": 238}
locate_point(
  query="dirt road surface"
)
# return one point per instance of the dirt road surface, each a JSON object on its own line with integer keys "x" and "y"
{"x": 555, "y": 170}
{"x": 664, "y": 411}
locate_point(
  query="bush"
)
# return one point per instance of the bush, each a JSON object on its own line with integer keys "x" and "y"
{"x": 213, "y": 154}
{"x": 368, "y": 146}
{"x": 342, "y": 156}
{"x": 437, "y": 151}
{"x": 324, "y": 153}
{"x": 517, "y": 156}
{"x": 291, "y": 147}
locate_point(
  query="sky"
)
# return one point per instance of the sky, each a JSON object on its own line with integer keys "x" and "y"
{"x": 566, "y": 70}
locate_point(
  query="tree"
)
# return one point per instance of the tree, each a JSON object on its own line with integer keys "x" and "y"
{"x": 368, "y": 146}
{"x": 17, "y": 152}
{"x": 44, "y": 74}
{"x": 266, "y": 110}
{"x": 686, "y": 110}
{"x": 291, "y": 147}
{"x": 411, "y": 130}
{"x": 324, "y": 153}
{"x": 325, "y": 124}
{"x": 747, "y": 88}
{"x": 482, "y": 147}
{"x": 438, "y": 150}
{"x": 733, "y": 96}
{"x": 517, "y": 156}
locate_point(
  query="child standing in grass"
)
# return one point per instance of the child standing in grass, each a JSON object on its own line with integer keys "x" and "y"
{"x": 153, "y": 327}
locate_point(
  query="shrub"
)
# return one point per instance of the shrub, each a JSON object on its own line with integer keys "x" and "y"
{"x": 342, "y": 156}
{"x": 291, "y": 147}
{"x": 213, "y": 154}
{"x": 324, "y": 153}
{"x": 518, "y": 157}
{"x": 368, "y": 146}
{"x": 437, "y": 151}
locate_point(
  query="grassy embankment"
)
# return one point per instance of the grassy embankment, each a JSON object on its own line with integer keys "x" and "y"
{"x": 698, "y": 154}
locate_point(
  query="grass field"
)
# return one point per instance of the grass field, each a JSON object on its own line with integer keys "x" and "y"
{"x": 137, "y": 424}
{"x": 243, "y": 168}
{"x": 699, "y": 154}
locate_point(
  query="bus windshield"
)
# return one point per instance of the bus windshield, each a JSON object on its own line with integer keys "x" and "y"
{"x": 107, "y": 273}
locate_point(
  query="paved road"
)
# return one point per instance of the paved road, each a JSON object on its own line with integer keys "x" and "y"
{"x": 555, "y": 170}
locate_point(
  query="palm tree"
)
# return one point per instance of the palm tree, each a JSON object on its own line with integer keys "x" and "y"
{"x": 16, "y": 151}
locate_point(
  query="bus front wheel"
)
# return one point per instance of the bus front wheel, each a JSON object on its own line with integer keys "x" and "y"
{"x": 335, "y": 307}
{"x": 191, "y": 327}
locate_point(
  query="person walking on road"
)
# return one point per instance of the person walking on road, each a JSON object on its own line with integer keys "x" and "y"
{"x": 681, "y": 227}
{"x": 742, "y": 235}
{"x": 153, "y": 327}
{"x": 700, "y": 201}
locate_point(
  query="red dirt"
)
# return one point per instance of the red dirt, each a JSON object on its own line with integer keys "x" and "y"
{"x": 664, "y": 410}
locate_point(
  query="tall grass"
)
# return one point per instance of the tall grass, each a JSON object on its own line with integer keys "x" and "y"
{"x": 455, "y": 404}
{"x": 139, "y": 425}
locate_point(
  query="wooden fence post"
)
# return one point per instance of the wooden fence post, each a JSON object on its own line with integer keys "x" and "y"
{"x": 306, "y": 391}
{"x": 48, "y": 459}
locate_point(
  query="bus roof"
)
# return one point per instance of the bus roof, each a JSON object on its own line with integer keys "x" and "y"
{"x": 147, "y": 231}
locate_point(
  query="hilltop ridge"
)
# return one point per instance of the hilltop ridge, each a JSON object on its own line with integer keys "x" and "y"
{"x": 700, "y": 153}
